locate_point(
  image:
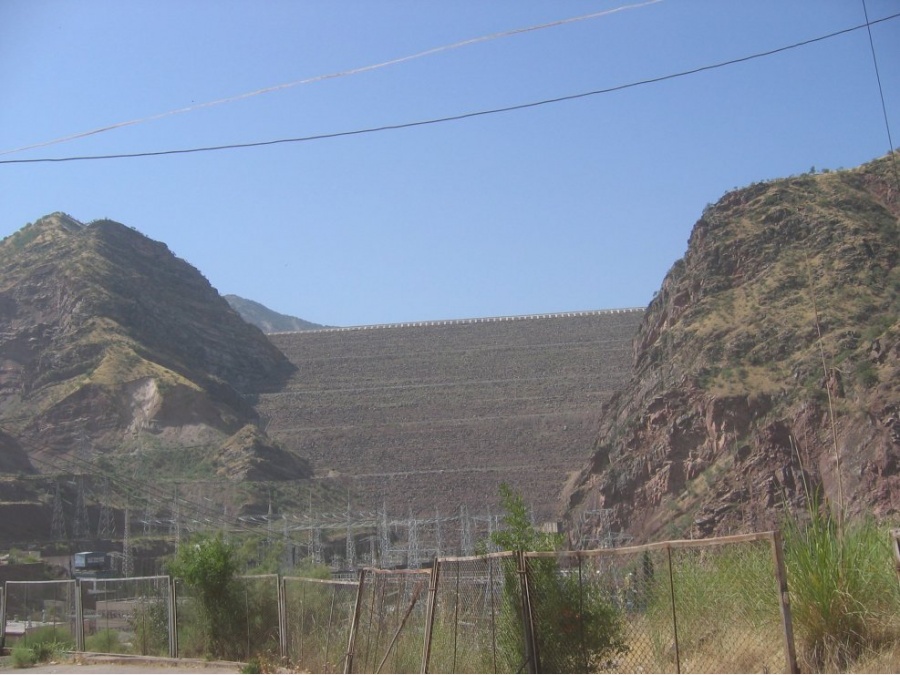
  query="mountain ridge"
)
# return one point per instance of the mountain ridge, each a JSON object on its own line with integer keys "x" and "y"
{"x": 268, "y": 320}
{"x": 109, "y": 338}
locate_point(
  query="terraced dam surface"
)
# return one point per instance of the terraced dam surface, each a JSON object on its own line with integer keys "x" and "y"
{"x": 425, "y": 418}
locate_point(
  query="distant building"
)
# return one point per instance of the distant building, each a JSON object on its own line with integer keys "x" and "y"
{"x": 93, "y": 565}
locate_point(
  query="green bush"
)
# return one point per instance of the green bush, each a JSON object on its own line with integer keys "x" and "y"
{"x": 44, "y": 644}
{"x": 23, "y": 656}
{"x": 105, "y": 641}
{"x": 50, "y": 634}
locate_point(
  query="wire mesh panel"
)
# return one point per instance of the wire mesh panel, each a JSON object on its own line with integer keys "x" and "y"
{"x": 601, "y": 611}
{"x": 477, "y": 616}
{"x": 700, "y": 606}
{"x": 236, "y": 625}
{"x": 727, "y": 608}
{"x": 41, "y": 611}
{"x": 391, "y": 620}
{"x": 319, "y": 618}
{"x": 260, "y": 614}
{"x": 126, "y": 616}
{"x": 191, "y": 625}
{"x": 587, "y": 616}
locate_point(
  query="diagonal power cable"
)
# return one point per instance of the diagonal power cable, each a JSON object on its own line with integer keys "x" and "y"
{"x": 329, "y": 76}
{"x": 461, "y": 116}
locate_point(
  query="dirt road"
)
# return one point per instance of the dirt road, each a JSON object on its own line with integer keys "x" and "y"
{"x": 125, "y": 665}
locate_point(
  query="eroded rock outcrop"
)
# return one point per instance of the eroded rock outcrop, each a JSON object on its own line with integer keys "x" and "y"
{"x": 766, "y": 367}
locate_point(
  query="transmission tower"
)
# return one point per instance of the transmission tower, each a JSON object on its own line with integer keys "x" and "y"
{"x": 175, "y": 525}
{"x": 106, "y": 527}
{"x": 466, "y": 544}
{"x": 350, "y": 553}
{"x": 490, "y": 524}
{"x": 58, "y": 523}
{"x": 413, "y": 543}
{"x": 384, "y": 534}
{"x": 81, "y": 526}
{"x": 317, "y": 545}
{"x": 148, "y": 519}
{"x": 437, "y": 533}
{"x": 127, "y": 561}
{"x": 287, "y": 544}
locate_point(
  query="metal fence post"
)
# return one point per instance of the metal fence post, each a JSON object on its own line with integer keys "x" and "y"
{"x": 674, "y": 614}
{"x": 429, "y": 613}
{"x": 282, "y": 617}
{"x": 532, "y": 660}
{"x": 351, "y": 643}
{"x": 581, "y": 621}
{"x": 79, "y": 617}
{"x": 784, "y": 602}
{"x": 173, "y": 619}
{"x": 2, "y": 616}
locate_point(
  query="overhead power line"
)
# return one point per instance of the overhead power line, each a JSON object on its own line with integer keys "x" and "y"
{"x": 461, "y": 116}
{"x": 887, "y": 124}
{"x": 331, "y": 76}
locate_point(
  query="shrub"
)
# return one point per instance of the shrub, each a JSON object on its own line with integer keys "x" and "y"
{"x": 105, "y": 641}
{"x": 45, "y": 644}
{"x": 50, "y": 635}
{"x": 23, "y": 656}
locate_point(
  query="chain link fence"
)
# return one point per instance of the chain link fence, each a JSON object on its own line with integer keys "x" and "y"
{"x": 728, "y": 608}
{"x": 389, "y": 625}
{"x": 715, "y": 605}
{"x": 319, "y": 616}
{"x": 127, "y": 616}
{"x": 474, "y": 625}
{"x": 703, "y": 606}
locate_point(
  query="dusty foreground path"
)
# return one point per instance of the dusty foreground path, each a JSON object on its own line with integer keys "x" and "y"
{"x": 125, "y": 665}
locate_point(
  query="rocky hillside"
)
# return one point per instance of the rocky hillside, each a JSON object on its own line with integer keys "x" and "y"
{"x": 767, "y": 365}
{"x": 267, "y": 320}
{"x": 112, "y": 347}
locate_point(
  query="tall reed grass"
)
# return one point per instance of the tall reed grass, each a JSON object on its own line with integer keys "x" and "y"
{"x": 845, "y": 596}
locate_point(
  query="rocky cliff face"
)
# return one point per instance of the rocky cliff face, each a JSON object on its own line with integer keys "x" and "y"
{"x": 109, "y": 341}
{"x": 766, "y": 367}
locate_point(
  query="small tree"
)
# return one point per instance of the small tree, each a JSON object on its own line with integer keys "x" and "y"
{"x": 518, "y": 533}
{"x": 577, "y": 626}
{"x": 209, "y": 567}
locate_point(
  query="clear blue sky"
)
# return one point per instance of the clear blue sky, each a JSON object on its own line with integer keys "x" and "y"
{"x": 582, "y": 204}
